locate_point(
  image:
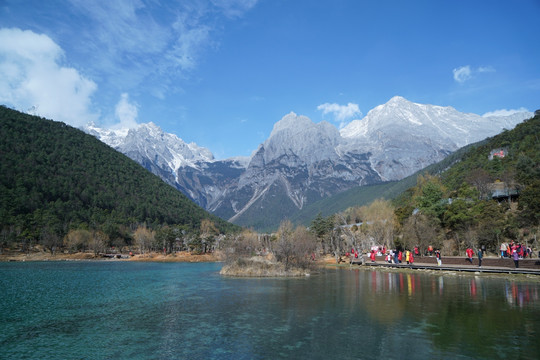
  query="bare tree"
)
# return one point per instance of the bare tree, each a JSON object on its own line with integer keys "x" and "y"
{"x": 144, "y": 238}
{"x": 50, "y": 240}
{"x": 347, "y": 231}
{"x": 209, "y": 232}
{"x": 244, "y": 244}
{"x": 98, "y": 242}
{"x": 379, "y": 221}
{"x": 420, "y": 231}
{"x": 480, "y": 179}
{"x": 77, "y": 240}
{"x": 284, "y": 249}
{"x": 294, "y": 247}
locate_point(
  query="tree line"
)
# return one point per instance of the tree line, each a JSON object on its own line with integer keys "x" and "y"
{"x": 55, "y": 179}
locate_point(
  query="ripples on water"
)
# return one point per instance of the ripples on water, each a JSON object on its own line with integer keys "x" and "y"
{"x": 120, "y": 310}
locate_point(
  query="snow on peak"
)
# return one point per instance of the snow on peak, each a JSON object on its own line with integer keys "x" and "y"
{"x": 399, "y": 116}
{"x": 398, "y": 100}
{"x": 291, "y": 122}
{"x": 150, "y": 141}
{"x": 298, "y": 135}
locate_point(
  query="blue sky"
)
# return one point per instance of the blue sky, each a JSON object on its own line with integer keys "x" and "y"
{"x": 220, "y": 73}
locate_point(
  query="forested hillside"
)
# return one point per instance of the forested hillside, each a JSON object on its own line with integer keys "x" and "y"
{"x": 55, "y": 178}
{"x": 364, "y": 195}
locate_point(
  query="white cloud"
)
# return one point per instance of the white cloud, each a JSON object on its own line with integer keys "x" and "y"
{"x": 126, "y": 112}
{"x": 190, "y": 42}
{"x": 484, "y": 69}
{"x": 33, "y": 78}
{"x": 152, "y": 42}
{"x": 340, "y": 112}
{"x": 234, "y": 8}
{"x": 505, "y": 112}
{"x": 462, "y": 74}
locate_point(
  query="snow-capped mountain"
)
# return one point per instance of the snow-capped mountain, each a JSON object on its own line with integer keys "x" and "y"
{"x": 302, "y": 161}
{"x": 160, "y": 152}
{"x": 404, "y": 137}
{"x": 299, "y": 163}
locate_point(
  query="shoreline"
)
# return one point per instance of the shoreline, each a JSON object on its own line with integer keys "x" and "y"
{"x": 182, "y": 256}
{"x": 323, "y": 262}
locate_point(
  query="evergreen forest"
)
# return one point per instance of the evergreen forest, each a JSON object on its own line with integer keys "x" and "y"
{"x": 55, "y": 179}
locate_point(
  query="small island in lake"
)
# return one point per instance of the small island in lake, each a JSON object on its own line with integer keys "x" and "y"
{"x": 289, "y": 253}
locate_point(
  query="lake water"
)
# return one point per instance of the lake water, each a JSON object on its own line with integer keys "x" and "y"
{"x": 129, "y": 310}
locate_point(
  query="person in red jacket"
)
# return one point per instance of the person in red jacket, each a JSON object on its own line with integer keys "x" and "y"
{"x": 372, "y": 256}
{"x": 470, "y": 253}
{"x": 400, "y": 256}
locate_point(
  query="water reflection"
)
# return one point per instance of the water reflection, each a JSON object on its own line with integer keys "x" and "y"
{"x": 189, "y": 311}
{"x": 467, "y": 314}
{"x": 389, "y": 283}
{"x": 521, "y": 294}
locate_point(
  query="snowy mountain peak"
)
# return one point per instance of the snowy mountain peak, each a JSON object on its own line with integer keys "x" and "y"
{"x": 291, "y": 122}
{"x": 299, "y": 136}
{"x": 399, "y": 115}
{"x": 398, "y": 100}
{"x": 149, "y": 141}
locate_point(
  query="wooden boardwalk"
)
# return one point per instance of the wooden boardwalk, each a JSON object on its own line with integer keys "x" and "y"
{"x": 460, "y": 264}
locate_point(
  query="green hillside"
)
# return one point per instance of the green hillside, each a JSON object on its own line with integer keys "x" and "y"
{"x": 54, "y": 178}
{"x": 363, "y": 195}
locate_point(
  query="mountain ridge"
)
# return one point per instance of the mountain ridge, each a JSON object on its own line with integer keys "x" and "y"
{"x": 302, "y": 161}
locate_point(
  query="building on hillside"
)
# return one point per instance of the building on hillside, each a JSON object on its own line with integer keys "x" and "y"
{"x": 500, "y": 153}
{"x": 500, "y": 191}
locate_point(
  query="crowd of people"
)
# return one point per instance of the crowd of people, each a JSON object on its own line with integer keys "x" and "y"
{"x": 511, "y": 250}
{"x": 396, "y": 256}
{"x": 508, "y": 249}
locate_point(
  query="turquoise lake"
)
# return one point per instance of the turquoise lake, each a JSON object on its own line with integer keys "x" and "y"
{"x": 130, "y": 310}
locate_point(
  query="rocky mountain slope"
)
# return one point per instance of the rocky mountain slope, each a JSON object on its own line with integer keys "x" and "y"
{"x": 303, "y": 161}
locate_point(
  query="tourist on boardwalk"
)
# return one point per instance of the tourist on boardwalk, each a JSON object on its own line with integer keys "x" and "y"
{"x": 392, "y": 256}
{"x": 407, "y": 256}
{"x": 469, "y": 253}
{"x": 503, "y": 250}
{"x": 400, "y": 256}
{"x": 438, "y": 256}
{"x": 372, "y": 256}
{"x": 416, "y": 251}
{"x": 515, "y": 256}
{"x": 480, "y": 256}
{"x": 396, "y": 259}
{"x": 411, "y": 258}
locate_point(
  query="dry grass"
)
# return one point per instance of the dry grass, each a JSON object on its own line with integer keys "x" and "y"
{"x": 258, "y": 266}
